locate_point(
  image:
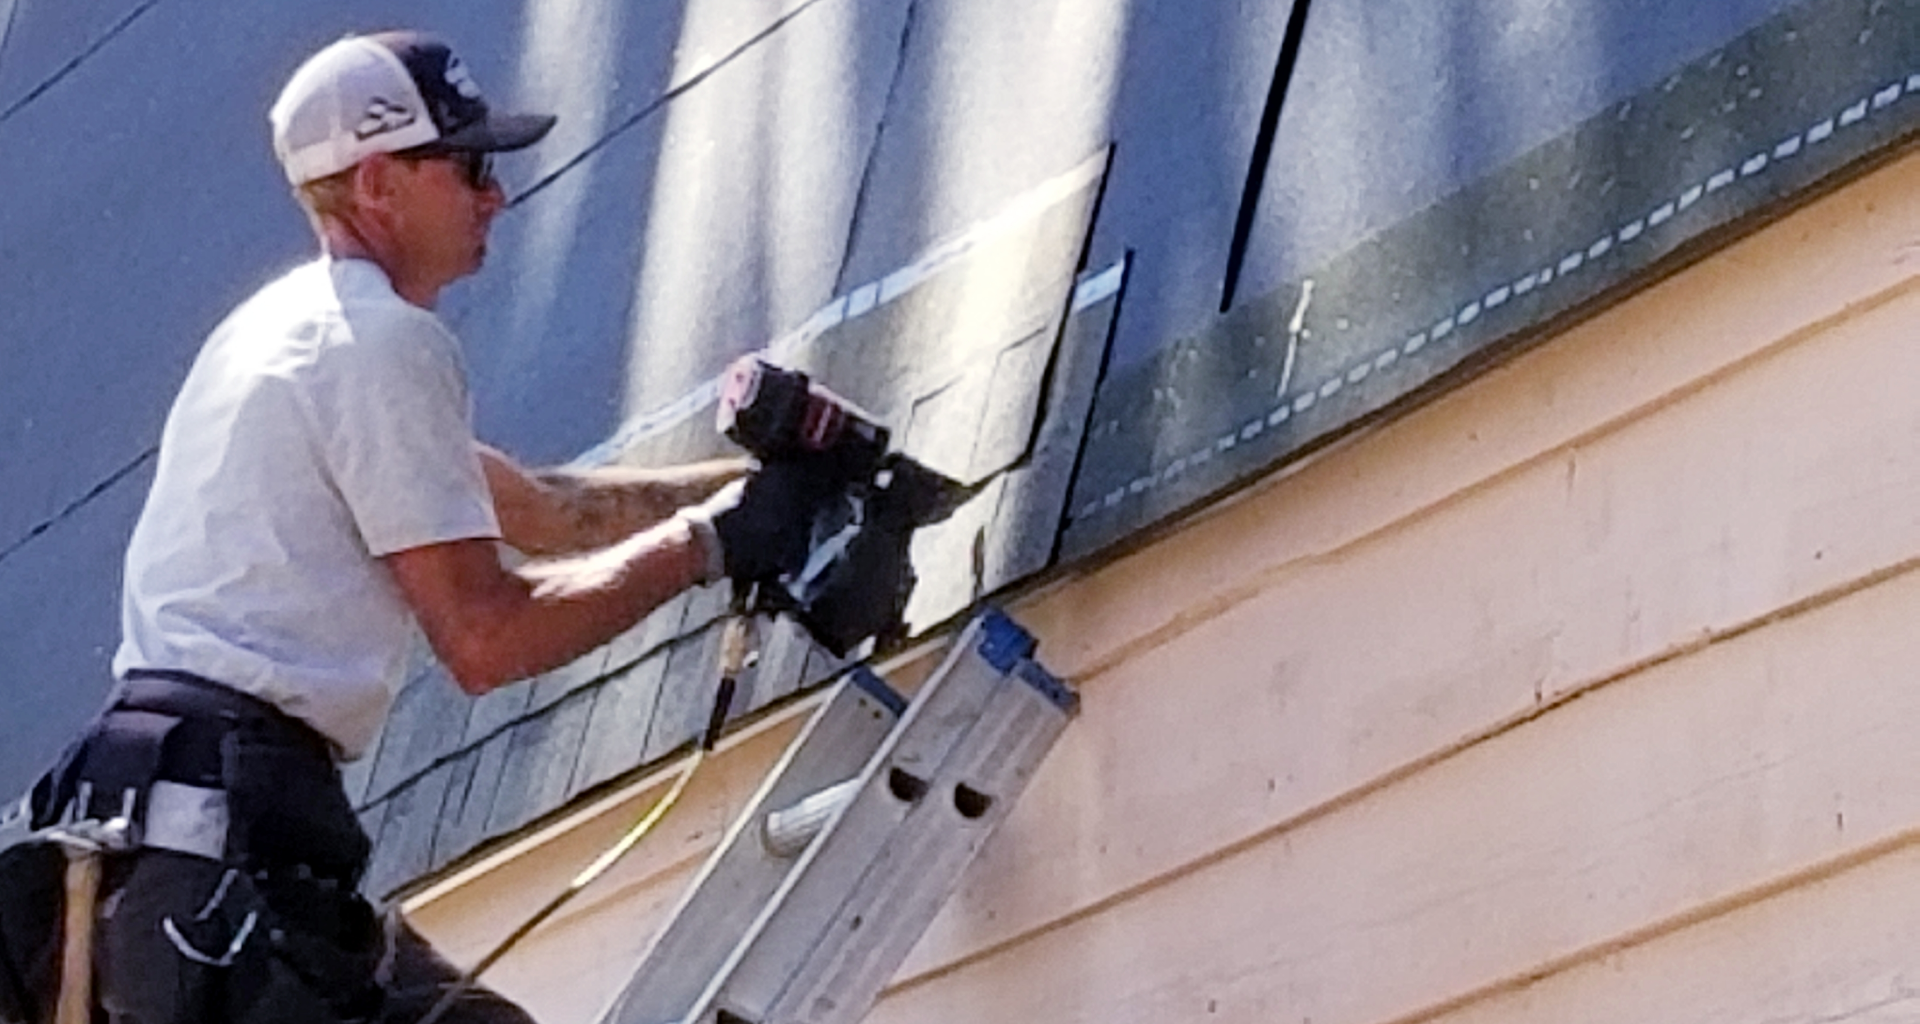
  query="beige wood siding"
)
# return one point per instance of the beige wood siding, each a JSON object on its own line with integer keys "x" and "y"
{"x": 1589, "y": 692}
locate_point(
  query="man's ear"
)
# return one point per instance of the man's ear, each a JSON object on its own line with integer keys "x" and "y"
{"x": 374, "y": 181}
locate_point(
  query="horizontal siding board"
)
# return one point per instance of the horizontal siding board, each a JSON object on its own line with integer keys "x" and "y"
{"x": 567, "y": 969}
{"x": 1694, "y": 784}
{"x": 1836, "y": 950}
{"x": 1657, "y": 531}
{"x": 1338, "y": 676}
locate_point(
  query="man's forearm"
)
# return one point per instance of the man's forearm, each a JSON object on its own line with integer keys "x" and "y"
{"x": 545, "y": 512}
{"x": 490, "y": 625}
{"x": 604, "y": 505}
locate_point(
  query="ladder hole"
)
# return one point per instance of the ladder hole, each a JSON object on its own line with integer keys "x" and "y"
{"x": 906, "y": 785}
{"x": 729, "y": 1017}
{"x": 970, "y": 802}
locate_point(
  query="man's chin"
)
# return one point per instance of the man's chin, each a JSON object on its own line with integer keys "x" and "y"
{"x": 479, "y": 260}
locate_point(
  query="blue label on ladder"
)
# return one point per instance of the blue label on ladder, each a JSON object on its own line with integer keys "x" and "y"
{"x": 1002, "y": 642}
{"x": 1049, "y": 685}
{"x": 877, "y": 688}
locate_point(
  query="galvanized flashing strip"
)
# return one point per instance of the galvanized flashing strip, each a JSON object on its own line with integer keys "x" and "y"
{"x": 1793, "y": 103}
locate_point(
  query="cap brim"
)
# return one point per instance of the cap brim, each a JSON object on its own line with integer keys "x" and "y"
{"x": 500, "y": 133}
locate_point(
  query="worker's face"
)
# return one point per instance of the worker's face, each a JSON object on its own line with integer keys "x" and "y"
{"x": 446, "y": 207}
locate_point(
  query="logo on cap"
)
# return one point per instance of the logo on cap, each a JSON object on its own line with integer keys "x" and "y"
{"x": 383, "y": 116}
{"x": 461, "y": 81}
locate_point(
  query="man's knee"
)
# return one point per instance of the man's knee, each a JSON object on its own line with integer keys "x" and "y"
{"x": 416, "y": 977}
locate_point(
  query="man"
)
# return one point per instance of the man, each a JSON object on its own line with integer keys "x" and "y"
{"x": 318, "y": 493}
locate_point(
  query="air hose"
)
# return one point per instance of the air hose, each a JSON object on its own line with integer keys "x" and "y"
{"x": 735, "y": 645}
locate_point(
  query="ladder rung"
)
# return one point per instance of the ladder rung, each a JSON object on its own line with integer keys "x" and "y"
{"x": 788, "y": 830}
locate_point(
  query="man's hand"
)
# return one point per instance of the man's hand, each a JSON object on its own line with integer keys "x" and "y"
{"x": 763, "y": 525}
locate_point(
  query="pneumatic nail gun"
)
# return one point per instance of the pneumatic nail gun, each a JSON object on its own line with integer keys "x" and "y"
{"x": 858, "y": 575}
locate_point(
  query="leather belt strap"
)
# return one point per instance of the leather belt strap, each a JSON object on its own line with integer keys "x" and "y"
{"x": 195, "y": 818}
{"x": 195, "y": 697}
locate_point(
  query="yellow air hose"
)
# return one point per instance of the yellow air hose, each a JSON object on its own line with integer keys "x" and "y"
{"x": 733, "y": 658}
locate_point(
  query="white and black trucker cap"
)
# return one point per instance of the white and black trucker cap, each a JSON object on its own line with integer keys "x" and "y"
{"x": 384, "y": 93}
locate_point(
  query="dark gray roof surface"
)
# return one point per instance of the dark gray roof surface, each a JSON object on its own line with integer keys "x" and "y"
{"x": 1449, "y": 179}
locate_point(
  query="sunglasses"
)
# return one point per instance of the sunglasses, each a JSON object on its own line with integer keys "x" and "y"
{"x": 476, "y": 169}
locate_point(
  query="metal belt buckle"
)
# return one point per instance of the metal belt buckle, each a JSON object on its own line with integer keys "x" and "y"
{"x": 186, "y": 819}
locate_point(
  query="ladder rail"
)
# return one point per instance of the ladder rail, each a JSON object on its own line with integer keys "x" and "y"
{"x": 886, "y": 811}
{"x": 834, "y": 744}
{"x": 908, "y": 884}
{"x": 782, "y": 935}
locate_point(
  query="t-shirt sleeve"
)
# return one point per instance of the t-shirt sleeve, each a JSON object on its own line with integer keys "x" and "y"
{"x": 391, "y": 415}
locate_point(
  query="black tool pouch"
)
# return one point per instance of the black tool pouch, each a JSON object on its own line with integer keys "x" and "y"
{"x": 106, "y": 773}
{"x": 118, "y": 755}
{"x": 54, "y": 790}
{"x": 31, "y": 898}
{"x": 293, "y": 833}
{"x": 287, "y": 807}
{"x": 331, "y": 940}
{"x": 263, "y": 950}
{"x": 312, "y": 957}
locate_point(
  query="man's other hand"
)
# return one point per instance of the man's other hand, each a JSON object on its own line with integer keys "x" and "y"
{"x": 763, "y": 524}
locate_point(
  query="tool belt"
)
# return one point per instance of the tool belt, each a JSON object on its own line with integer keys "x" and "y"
{"x": 201, "y": 768}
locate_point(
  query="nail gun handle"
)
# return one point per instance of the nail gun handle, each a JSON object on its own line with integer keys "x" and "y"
{"x": 736, "y": 647}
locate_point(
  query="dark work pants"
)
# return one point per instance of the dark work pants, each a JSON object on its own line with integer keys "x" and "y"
{"x": 184, "y": 940}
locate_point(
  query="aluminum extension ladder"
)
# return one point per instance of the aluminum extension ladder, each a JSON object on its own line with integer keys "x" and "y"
{"x": 854, "y": 842}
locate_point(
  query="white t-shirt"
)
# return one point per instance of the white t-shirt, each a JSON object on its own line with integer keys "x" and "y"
{"x": 325, "y": 423}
